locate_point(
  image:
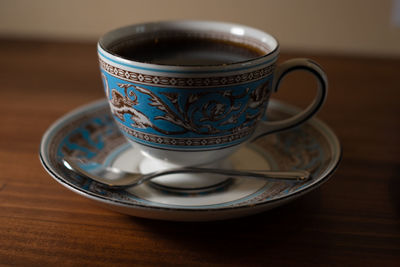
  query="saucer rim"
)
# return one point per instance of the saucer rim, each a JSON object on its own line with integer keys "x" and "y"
{"x": 324, "y": 177}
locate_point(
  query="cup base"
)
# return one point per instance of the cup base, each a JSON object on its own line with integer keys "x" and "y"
{"x": 187, "y": 182}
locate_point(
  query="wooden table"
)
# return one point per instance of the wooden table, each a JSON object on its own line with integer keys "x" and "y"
{"x": 351, "y": 220}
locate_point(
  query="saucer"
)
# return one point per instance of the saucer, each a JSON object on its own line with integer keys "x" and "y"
{"x": 90, "y": 133}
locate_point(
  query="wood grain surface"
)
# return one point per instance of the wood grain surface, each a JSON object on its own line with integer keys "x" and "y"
{"x": 352, "y": 220}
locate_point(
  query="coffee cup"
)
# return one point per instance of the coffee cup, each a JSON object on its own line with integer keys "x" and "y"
{"x": 192, "y": 92}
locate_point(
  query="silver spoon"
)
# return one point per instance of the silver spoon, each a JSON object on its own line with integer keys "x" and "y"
{"x": 119, "y": 179}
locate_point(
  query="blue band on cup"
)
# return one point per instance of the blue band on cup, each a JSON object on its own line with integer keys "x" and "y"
{"x": 187, "y": 113}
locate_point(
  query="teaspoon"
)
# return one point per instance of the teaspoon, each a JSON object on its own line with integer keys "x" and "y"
{"x": 119, "y": 179}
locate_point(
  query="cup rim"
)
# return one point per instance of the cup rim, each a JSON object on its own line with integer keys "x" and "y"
{"x": 234, "y": 29}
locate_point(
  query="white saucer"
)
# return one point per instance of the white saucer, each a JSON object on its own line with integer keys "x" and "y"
{"x": 89, "y": 132}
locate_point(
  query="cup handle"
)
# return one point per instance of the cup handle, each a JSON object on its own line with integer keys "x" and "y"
{"x": 267, "y": 127}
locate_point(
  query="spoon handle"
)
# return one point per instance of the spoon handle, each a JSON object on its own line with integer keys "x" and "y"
{"x": 300, "y": 175}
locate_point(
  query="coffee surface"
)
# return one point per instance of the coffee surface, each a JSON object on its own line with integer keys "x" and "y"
{"x": 187, "y": 51}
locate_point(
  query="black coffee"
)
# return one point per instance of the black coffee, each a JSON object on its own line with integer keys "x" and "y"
{"x": 186, "y": 51}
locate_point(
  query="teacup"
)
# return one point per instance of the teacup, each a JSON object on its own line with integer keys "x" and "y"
{"x": 192, "y": 92}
